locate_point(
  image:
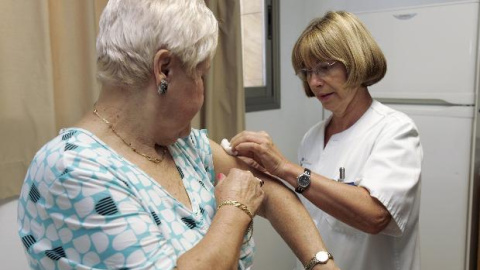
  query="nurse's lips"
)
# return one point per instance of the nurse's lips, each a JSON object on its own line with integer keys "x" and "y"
{"x": 324, "y": 96}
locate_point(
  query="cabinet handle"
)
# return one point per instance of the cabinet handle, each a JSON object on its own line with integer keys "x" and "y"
{"x": 406, "y": 16}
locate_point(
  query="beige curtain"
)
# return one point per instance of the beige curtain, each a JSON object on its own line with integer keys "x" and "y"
{"x": 47, "y": 77}
{"x": 223, "y": 113}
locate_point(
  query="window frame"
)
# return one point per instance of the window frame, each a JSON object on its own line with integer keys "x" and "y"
{"x": 268, "y": 97}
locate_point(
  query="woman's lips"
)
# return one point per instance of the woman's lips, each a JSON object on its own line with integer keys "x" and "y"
{"x": 324, "y": 97}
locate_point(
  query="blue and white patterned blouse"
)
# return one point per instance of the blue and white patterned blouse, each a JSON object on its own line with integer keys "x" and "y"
{"x": 83, "y": 206}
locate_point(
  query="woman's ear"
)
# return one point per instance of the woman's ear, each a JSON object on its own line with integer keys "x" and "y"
{"x": 161, "y": 65}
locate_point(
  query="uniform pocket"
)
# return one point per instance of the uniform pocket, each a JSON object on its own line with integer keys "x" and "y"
{"x": 340, "y": 227}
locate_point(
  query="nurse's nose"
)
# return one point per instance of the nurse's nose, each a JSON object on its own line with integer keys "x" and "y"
{"x": 315, "y": 81}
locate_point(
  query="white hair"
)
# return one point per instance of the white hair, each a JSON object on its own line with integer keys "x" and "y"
{"x": 132, "y": 31}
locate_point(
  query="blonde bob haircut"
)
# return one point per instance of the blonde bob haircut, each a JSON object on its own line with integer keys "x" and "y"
{"x": 132, "y": 31}
{"x": 340, "y": 36}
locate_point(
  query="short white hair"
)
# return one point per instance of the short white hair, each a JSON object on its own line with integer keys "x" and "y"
{"x": 132, "y": 31}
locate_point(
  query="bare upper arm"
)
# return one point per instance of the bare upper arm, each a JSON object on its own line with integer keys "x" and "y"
{"x": 223, "y": 162}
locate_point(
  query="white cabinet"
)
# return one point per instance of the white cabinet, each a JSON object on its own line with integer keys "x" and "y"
{"x": 445, "y": 133}
{"x": 430, "y": 51}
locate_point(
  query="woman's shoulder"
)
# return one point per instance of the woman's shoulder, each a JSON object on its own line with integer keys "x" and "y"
{"x": 390, "y": 115}
{"x": 69, "y": 139}
{"x": 73, "y": 147}
{"x": 77, "y": 140}
{"x": 394, "y": 123}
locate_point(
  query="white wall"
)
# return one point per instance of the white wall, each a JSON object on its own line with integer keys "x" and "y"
{"x": 11, "y": 249}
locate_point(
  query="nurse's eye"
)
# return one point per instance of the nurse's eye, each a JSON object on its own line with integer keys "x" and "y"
{"x": 322, "y": 68}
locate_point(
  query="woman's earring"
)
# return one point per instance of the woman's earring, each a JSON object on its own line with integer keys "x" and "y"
{"x": 162, "y": 87}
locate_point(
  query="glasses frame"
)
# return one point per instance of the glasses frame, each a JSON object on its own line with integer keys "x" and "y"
{"x": 321, "y": 70}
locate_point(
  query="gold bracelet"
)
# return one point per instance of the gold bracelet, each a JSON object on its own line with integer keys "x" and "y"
{"x": 249, "y": 232}
{"x": 244, "y": 208}
{"x": 239, "y": 205}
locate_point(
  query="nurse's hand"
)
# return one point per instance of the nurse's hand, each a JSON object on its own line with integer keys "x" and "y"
{"x": 258, "y": 150}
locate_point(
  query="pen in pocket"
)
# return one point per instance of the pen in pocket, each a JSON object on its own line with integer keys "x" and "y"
{"x": 342, "y": 177}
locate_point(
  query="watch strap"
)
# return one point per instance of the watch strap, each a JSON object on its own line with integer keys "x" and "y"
{"x": 314, "y": 261}
{"x": 299, "y": 189}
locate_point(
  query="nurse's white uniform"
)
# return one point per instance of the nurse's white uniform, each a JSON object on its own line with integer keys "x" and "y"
{"x": 382, "y": 153}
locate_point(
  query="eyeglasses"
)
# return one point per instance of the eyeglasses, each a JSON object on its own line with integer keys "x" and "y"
{"x": 321, "y": 70}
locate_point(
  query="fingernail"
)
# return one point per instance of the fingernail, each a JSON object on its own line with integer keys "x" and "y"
{"x": 220, "y": 176}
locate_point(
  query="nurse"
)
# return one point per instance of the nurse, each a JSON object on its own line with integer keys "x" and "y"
{"x": 358, "y": 171}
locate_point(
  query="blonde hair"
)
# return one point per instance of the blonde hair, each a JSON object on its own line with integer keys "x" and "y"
{"x": 132, "y": 31}
{"x": 340, "y": 36}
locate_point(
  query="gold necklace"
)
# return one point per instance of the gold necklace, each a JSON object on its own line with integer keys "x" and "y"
{"x": 152, "y": 159}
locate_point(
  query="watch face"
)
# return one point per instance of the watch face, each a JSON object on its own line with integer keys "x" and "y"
{"x": 303, "y": 181}
{"x": 322, "y": 256}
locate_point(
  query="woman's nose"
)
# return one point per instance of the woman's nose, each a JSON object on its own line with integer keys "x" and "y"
{"x": 315, "y": 81}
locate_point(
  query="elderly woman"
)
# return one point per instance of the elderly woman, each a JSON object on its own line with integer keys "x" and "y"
{"x": 359, "y": 172}
{"x": 132, "y": 185}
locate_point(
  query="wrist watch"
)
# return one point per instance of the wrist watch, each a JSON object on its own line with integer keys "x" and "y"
{"x": 303, "y": 181}
{"x": 321, "y": 257}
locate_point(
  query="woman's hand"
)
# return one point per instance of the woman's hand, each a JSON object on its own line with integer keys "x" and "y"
{"x": 258, "y": 150}
{"x": 240, "y": 186}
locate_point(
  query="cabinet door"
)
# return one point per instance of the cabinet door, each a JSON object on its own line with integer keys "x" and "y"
{"x": 430, "y": 51}
{"x": 445, "y": 135}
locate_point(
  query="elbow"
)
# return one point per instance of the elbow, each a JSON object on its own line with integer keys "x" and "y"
{"x": 378, "y": 223}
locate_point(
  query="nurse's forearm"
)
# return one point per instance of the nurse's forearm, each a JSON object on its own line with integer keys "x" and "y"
{"x": 352, "y": 205}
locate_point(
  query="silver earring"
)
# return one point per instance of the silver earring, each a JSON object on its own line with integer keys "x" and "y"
{"x": 162, "y": 87}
